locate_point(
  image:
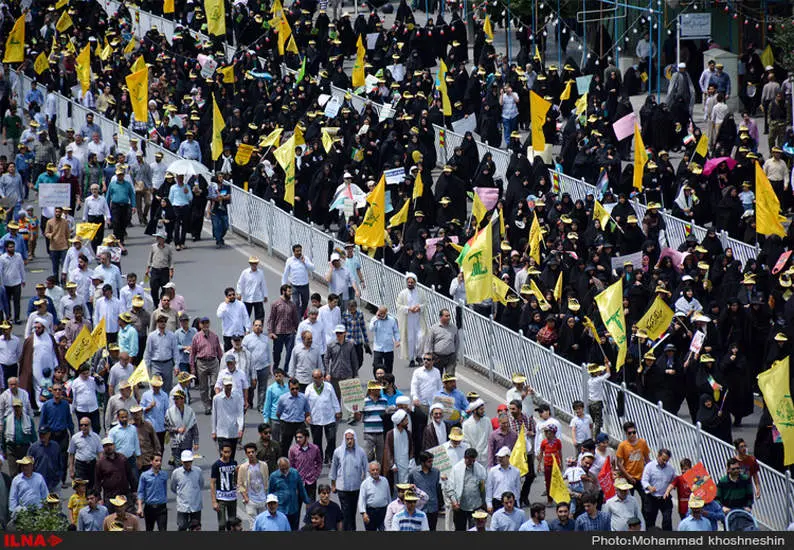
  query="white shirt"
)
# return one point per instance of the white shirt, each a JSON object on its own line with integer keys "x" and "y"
{"x": 324, "y": 405}
{"x": 251, "y": 286}
{"x": 13, "y": 269}
{"x": 109, "y": 309}
{"x": 234, "y": 317}
{"x": 158, "y": 173}
{"x": 227, "y": 415}
{"x": 34, "y": 315}
{"x": 126, "y": 295}
{"x": 476, "y": 433}
{"x": 10, "y": 350}
{"x": 82, "y": 278}
{"x": 318, "y": 334}
{"x": 296, "y": 272}
{"x": 240, "y": 381}
{"x": 70, "y": 262}
{"x": 84, "y": 395}
{"x": 96, "y": 207}
{"x": 119, "y": 374}
{"x": 595, "y": 387}
{"x": 425, "y": 383}
{"x": 329, "y": 318}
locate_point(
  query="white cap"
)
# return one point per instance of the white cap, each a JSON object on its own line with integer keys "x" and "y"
{"x": 504, "y": 451}
{"x": 686, "y": 278}
{"x": 186, "y": 456}
{"x": 398, "y": 416}
{"x": 107, "y": 441}
{"x": 228, "y": 381}
{"x": 335, "y": 257}
{"x": 402, "y": 400}
{"x": 435, "y": 406}
{"x": 169, "y": 284}
{"x": 682, "y": 65}
{"x": 476, "y": 404}
{"x": 347, "y": 175}
{"x": 271, "y": 498}
{"x": 340, "y": 328}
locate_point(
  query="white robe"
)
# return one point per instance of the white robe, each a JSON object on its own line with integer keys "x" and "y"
{"x": 476, "y": 435}
{"x": 412, "y": 325}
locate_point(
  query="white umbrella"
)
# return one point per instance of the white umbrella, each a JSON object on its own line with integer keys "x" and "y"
{"x": 187, "y": 168}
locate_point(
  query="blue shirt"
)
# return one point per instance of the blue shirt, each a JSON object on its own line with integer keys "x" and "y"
{"x": 689, "y": 523}
{"x": 184, "y": 338}
{"x": 120, "y": 192}
{"x": 460, "y": 400}
{"x": 530, "y": 525}
{"x": 289, "y": 489}
{"x": 190, "y": 150}
{"x": 292, "y": 409}
{"x": 274, "y": 392}
{"x": 601, "y": 522}
{"x": 178, "y": 197}
{"x": 47, "y": 461}
{"x": 156, "y": 415}
{"x": 161, "y": 347}
{"x": 21, "y": 248}
{"x": 153, "y": 488}
{"x": 56, "y": 416}
{"x": 384, "y": 333}
{"x": 267, "y": 522}
{"x": 126, "y": 440}
{"x": 373, "y": 421}
{"x": 50, "y": 305}
{"x": 27, "y": 491}
{"x": 128, "y": 340}
{"x": 502, "y": 521}
{"x": 91, "y": 520}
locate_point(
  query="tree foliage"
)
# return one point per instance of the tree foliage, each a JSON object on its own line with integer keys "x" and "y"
{"x": 783, "y": 42}
{"x": 40, "y": 519}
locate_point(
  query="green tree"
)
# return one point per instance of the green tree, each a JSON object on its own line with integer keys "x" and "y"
{"x": 783, "y": 43}
{"x": 40, "y": 519}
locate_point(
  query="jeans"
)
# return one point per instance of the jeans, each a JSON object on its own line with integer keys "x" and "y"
{"x": 330, "y": 438}
{"x": 261, "y": 387}
{"x": 285, "y": 342}
{"x": 508, "y": 125}
{"x": 183, "y": 519}
{"x": 181, "y": 224}
{"x": 57, "y": 257}
{"x": 300, "y": 295}
{"x": 220, "y": 225}
{"x": 226, "y": 509}
{"x": 155, "y": 513}
{"x": 348, "y": 500}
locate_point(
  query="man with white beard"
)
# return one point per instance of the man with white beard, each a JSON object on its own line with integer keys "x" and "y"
{"x": 411, "y": 320}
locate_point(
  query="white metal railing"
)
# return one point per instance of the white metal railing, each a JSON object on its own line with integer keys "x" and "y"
{"x": 500, "y": 352}
{"x": 676, "y": 231}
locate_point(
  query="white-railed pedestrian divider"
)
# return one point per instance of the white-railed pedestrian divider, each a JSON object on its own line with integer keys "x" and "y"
{"x": 498, "y": 352}
{"x": 676, "y": 230}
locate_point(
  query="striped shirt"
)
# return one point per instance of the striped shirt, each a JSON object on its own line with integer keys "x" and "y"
{"x": 404, "y": 521}
{"x": 373, "y": 423}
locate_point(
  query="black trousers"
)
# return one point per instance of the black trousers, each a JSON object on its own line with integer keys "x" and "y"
{"x": 258, "y": 308}
{"x": 653, "y": 506}
{"x": 183, "y": 519}
{"x": 9, "y": 371}
{"x": 120, "y": 214}
{"x": 86, "y": 471}
{"x": 182, "y": 223}
{"x": 348, "y": 501}
{"x": 158, "y": 277}
{"x": 382, "y": 360}
{"x": 432, "y": 520}
{"x": 13, "y": 294}
{"x": 330, "y": 439}
{"x": 376, "y": 518}
{"x": 227, "y": 441}
{"x": 288, "y": 430}
{"x": 155, "y": 514}
{"x": 300, "y": 295}
{"x": 62, "y": 439}
{"x": 100, "y": 234}
{"x": 461, "y": 519}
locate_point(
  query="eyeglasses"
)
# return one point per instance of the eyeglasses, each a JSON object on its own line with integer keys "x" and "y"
{"x": 633, "y": 432}
{"x": 85, "y": 425}
{"x": 427, "y": 358}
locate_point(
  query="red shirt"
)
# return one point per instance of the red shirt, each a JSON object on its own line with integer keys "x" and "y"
{"x": 749, "y": 465}
{"x": 550, "y": 448}
{"x": 683, "y": 491}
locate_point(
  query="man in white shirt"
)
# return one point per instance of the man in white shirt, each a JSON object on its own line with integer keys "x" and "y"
{"x": 425, "y": 382}
{"x": 132, "y": 289}
{"x": 158, "y": 170}
{"x": 329, "y": 315}
{"x": 10, "y": 353}
{"x": 227, "y": 416}
{"x": 257, "y": 344}
{"x": 705, "y": 76}
{"x": 296, "y": 272}
{"x": 325, "y": 413}
{"x": 476, "y": 430}
{"x": 339, "y": 279}
{"x": 70, "y": 262}
{"x": 84, "y": 390}
{"x": 234, "y": 317}
{"x": 623, "y": 506}
{"x": 82, "y": 277}
{"x": 240, "y": 383}
{"x": 313, "y": 325}
{"x": 98, "y": 147}
{"x": 96, "y": 210}
{"x": 252, "y": 288}
{"x": 502, "y": 478}
{"x": 12, "y": 269}
{"x": 108, "y": 307}
{"x": 410, "y": 319}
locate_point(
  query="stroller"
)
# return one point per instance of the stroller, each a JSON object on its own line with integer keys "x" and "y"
{"x": 740, "y": 520}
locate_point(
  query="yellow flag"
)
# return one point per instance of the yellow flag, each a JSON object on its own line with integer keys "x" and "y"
{"x": 476, "y": 266}
{"x": 291, "y": 45}
{"x": 41, "y": 64}
{"x": 703, "y": 146}
{"x": 289, "y": 181}
{"x": 518, "y": 456}
{"x": 400, "y": 217}
{"x": 502, "y": 230}
{"x": 99, "y": 336}
{"x": 243, "y": 154}
{"x": 284, "y": 32}
{"x": 276, "y": 8}
{"x": 767, "y": 57}
{"x": 538, "y": 108}
{"x": 139, "y": 65}
{"x": 610, "y": 306}
{"x": 581, "y": 104}
{"x": 537, "y": 53}
{"x": 285, "y": 154}
{"x": 106, "y": 52}
{"x": 60, "y": 3}
{"x": 297, "y": 135}
{"x": 371, "y": 231}
{"x": 328, "y": 138}
{"x": 130, "y": 47}
{"x": 419, "y": 187}
{"x": 487, "y": 28}
{"x": 168, "y": 6}
{"x": 656, "y": 319}
{"x": 774, "y": 384}
{"x": 81, "y": 349}
{"x": 566, "y": 93}
{"x": 84, "y": 69}
{"x": 478, "y": 210}
{"x": 140, "y": 375}
{"x": 542, "y": 302}
{"x": 588, "y": 324}
{"x": 359, "y": 74}
{"x": 15, "y": 43}
{"x": 558, "y": 490}
{"x": 442, "y": 87}
{"x": 558, "y": 288}
{"x": 640, "y": 158}
{"x": 138, "y": 86}
{"x": 86, "y": 231}
{"x": 215, "y": 10}
{"x": 500, "y": 290}
{"x": 271, "y": 139}
{"x": 535, "y": 238}
{"x": 64, "y": 22}
{"x": 767, "y": 206}
{"x": 600, "y": 213}
{"x": 228, "y": 74}
{"x": 217, "y": 128}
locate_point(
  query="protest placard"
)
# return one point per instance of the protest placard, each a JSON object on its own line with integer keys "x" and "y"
{"x": 352, "y": 394}
{"x": 55, "y": 194}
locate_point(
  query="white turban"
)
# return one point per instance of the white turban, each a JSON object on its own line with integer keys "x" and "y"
{"x": 411, "y": 275}
{"x": 435, "y": 406}
{"x": 476, "y": 404}
{"x": 398, "y": 416}
{"x": 402, "y": 400}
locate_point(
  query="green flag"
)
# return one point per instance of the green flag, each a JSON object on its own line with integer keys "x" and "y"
{"x": 302, "y": 71}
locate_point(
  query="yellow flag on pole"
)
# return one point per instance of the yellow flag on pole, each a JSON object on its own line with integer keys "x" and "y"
{"x": 139, "y": 65}
{"x": 538, "y": 108}
{"x": 130, "y": 47}
{"x": 581, "y": 104}
{"x": 600, "y": 213}
{"x": 703, "y": 146}
{"x": 140, "y": 375}
{"x": 41, "y": 64}
{"x": 535, "y": 289}
{"x": 487, "y": 27}
{"x": 84, "y": 70}
{"x": 476, "y": 266}
{"x": 502, "y": 229}
{"x": 81, "y": 349}
{"x": 138, "y": 86}
{"x": 373, "y": 227}
{"x": 60, "y": 3}
{"x": 535, "y": 238}
{"x": 64, "y": 22}
{"x": 291, "y": 45}
{"x": 359, "y": 74}
{"x": 289, "y": 181}
{"x": 610, "y": 306}
{"x": 640, "y": 158}
{"x": 774, "y": 384}
{"x": 566, "y": 93}
{"x": 441, "y": 84}
{"x": 297, "y": 135}
{"x": 500, "y": 290}
{"x": 656, "y": 319}
{"x": 478, "y": 210}
{"x": 518, "y": 456}
{"x": 558, "y": 288}
{"x": 767, "y": 206}
{"x": 216, "y": 146}
{"x": 767, "y": 57}
{"x": 15, "y": 43}
{"x": 284, "y": 32}
{"x": 228, "y": 74}
{"x": 243, "y": 154}
{"x": 99, "y": 336}
{"x": 168, "y": 6}
{"x": 328, "y": 138}
{"x": 86, "y": 231}
{"x": 215, "y": 11}
{"x": 558, "y": 490}
{"x": 400, "y": 217}
{"x": 419, "y": 187}
{"x": 271, "y": 139}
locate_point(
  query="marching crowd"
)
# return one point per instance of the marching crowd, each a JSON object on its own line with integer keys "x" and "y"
{"x": 738, "y": 308}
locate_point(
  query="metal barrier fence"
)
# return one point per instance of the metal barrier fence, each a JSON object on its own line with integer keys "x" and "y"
{"x": 677, "y": 229}
{"x": 499, "y": 352}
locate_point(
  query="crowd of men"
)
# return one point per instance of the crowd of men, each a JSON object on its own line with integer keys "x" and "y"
{"x": 738, "y": 307}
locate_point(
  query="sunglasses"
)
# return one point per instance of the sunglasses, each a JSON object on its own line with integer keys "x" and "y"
{"x": 427, "y": 358}
{"x": 631, "y": 433}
